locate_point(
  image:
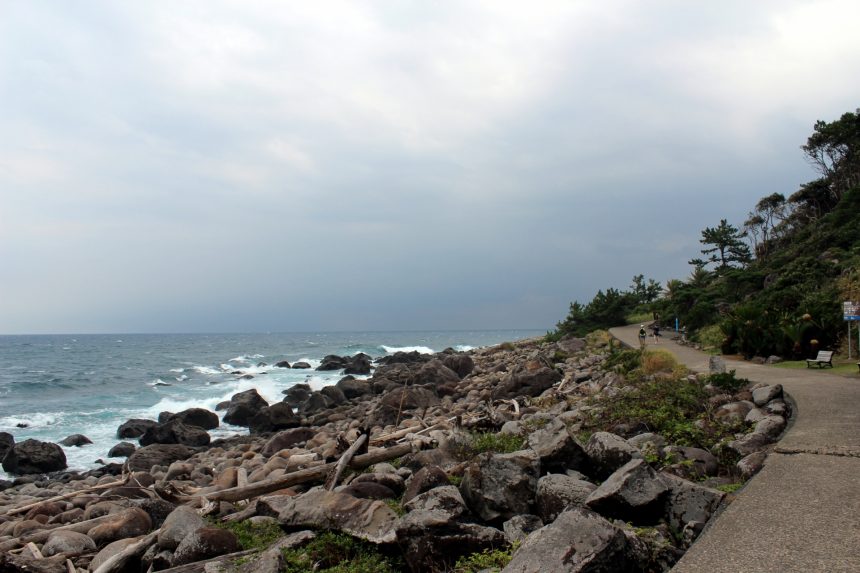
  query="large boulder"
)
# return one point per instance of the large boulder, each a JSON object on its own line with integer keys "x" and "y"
{"x": 182, "y": 522}
{"x": 689, "y": 506}
{"x": 353, "y": 388}
{"x": 436, "y": 373}
{"x": 205, "y": 543}
{"x": 273, "y": 418}
{"x": 770, "y": 426}
{"x": 633, "y": 493}
{"x": 296, "y": 395}
{"x": 70, "y": 542}
{"x": 360, "y": 364}
{"x": 557, "y": 492}
{"x": 462, "y": 364}
{"x": 765, "y": 394}
{"x": 396, "y": 402}
{"x": 287, "y": 439}
{"x": 530, "y": 379}
{"x": 401, "y": 357}
{"x": 691, "y": 463}
{"x": 423, "y": 480}
{"x": 320, "y": 509}
{"x": 75, "y": 441}
{"x": 333, "y": 362}
{"x": 121, "y": 450}
{"x": 431, "y": 541}
{"x": 129, "y": 523}
{"x": 6, "y": 443}
{"x": 157, "y": 455}
{"x": 175, "y": 432}
{"x": 134, "y": 428}
{"x": 608, "y": 452}
{"x": 498, "y": 486}
{"x": 199, "y": 417}
{"x": 578, "y": 541}
{"x": 446, "y": 498}
{"x": 334, "y": 394}
{"x": 557, "y": 449}
{"x": 34, "y": 457}
{"x": 244, "y": 406}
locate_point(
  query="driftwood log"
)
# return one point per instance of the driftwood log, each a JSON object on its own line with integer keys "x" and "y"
{"x": 347, "y": 456}
{"x": 116, "y": 563}
{"x": 30, "y": 506}
{"x": 310, "y": 474}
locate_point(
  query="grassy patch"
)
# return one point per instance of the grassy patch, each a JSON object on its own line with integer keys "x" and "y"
{"x": 730, "y": 487}
{"x": 251, "y": 535}
{"x": 659, "y": 360}
{"x": 839, "y": 367}
{"x": 481, "y": 442}
{"x": 338, "y": 553}
{"x": 668, "y": 406}
{"x": 396, "y": 506}
{"x": 488, "y": 560}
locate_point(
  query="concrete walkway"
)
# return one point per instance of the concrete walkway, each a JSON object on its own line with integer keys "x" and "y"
{"x": 802, "y": 511}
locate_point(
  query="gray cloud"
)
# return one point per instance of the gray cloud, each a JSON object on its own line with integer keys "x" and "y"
{"x": 342, "y": 165}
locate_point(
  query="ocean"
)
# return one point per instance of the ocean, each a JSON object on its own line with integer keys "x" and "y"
{"x": 52, "y": 386}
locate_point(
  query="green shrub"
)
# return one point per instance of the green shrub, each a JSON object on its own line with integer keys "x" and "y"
{"x": 727, "y": 381}
{"x": 488, "y": 560}
{"x": 338, "y": 553}
{"x": 499, "y": 443}
{"x": 710, "y": 336}
{"x": 624, "y": 361}
{"x": 251, "y": 535}
{"x": 730, "y": 487}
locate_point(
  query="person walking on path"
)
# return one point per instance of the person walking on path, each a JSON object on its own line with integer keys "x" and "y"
{"x": 642, "y": 336}
{"x": 655, "y": 328}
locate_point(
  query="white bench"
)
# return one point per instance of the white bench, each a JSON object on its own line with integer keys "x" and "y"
{"x": 824, "y": 358}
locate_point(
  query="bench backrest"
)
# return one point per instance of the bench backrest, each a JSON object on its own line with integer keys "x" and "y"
{"x": 824, "y": 355}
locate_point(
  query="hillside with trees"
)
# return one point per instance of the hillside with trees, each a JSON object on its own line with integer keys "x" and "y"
{"x": 773, "y": 284}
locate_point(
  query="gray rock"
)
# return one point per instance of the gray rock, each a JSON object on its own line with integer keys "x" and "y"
{"x": 390, "y": 480}
{"x": 765, "y": 394}
{"x": 578, "y": 541}
{"x": 423, "y": 480}
{"x": 446, "y": 499}
{"x": 694, "y": 462}
{"x": 110, "y": 550}
{"x": 353, "y": 388}
{"x": 648, "y": 442}
{"x": 716, "y": 365}
{"x": 778, "y": 408}
{"x": 175, "y": 432}
{"x": 34, "y": 457}
{"x": 134, "y": 428}
{"x": 499, "y": 486}
{"x": 122, "y": 450}
{"x": 397, "y": 401}
{"x": 287, "y": 439}
{"x": 754, "y": 416}
{"x": 182, "y": 522}
{"x": 319, "y": 509}
{"x": 205, "y": 543}
{"x": 69, "y": 542}
{"x": 157, "y": 455}
{"x": 733, "y": 412}
{"x": 6, "y": 443}
{"x": 633, "y": 493}
{"x": 749, "y": 443}
{"x": 689, "y": 505}
{"x": 771, "y": 426}
{"x": 519, "y": 527}
{"x": 274, "y": 418}
{"x": 608, "y": 452}
{"x": 751, "y": 464}
{"x": 557, "y": 449}
{"x": 199, "y": 417}
{"x": 367, "y": 490}
{"x": 243, "y": 407}
{"x": 530, "y": 379}
{"x": 75, "y": 441}
{"x": 461, "y": 364}
{"x": 432, "y": 542}
{"x": 130, "y": 523}
{"x": 335, "y": 394}
{"x": 556, "y": 492}
{"x": 297, "y": 394}
{"x": 773, "y": 359}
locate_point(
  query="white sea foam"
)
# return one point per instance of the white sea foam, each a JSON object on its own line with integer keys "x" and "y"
{"x": 421, "y": 349}
{"x": 463, "y": 348}
{"x": 35, "y": 420}
{"x": 159, "y": 382}
{"x": 181, "y": 378}
{"x": 178, "y": 370}
{"x": 207, "y": 370}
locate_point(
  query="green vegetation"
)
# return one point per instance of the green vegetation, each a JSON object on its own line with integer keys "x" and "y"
{"x": 338, "y": 553}
{"x": 667, "y": 404}
{"x": 848, "y": 367}
{"x": 488, "y": 560}
{"x": 253, "y": 536}
{"x": 491, "y": 442}
{"x": 728, "y": 381}
{"x": 730, "y": 487}
{"x": 396, "y": 506}
{"x": 773, "y": 285}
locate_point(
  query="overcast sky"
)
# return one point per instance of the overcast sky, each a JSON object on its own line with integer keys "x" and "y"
{"x": 293, "y": 166}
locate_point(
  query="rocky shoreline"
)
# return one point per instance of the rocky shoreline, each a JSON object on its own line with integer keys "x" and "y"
{"x": 509, "y": 451}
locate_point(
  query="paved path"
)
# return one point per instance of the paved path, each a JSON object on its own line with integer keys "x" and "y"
{"x": 802, "y": 511}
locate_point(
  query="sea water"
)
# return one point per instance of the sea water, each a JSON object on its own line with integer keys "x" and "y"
{"x": 52, "y": 386}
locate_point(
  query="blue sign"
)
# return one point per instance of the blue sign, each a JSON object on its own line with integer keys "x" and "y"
{"x": 850, "y": 310}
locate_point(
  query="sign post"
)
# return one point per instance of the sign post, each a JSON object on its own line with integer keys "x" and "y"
{"x": 851, "y": 312}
